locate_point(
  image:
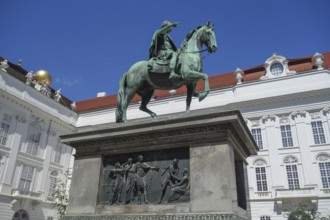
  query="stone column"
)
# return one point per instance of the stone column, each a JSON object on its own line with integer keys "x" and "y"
{"x": 212, "y": 168}
{"x": 83, "y": 196}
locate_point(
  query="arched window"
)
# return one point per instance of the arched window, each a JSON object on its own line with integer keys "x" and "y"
{"x": 292, "y": 172}
{"x": 324, "y": 166}
{"x": 276, "y": 69}
{"x": 21, "y": 215}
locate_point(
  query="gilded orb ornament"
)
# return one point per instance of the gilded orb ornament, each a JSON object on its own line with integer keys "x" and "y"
{"x": 43, "y": 76}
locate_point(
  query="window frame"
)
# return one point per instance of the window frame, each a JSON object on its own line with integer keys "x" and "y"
{"x": 258, "y": 137}
{"x": 293, "y": 181}
{"x": 275, "y": 67}
{"x": 4, "y": 132}
{"x": 33, "y": 139}
{"x": 286, "y": 136}
{"x": 53, "y": 176}
{"x": 318, "y": 132}
{"x": 262, "y": 179}
{"x": 26, "y": 178}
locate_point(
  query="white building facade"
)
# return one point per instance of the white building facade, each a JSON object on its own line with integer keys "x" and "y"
{"x": 286, "y": 105}
{"x": 32, "y": 157}
{"x": 285, "y": 102}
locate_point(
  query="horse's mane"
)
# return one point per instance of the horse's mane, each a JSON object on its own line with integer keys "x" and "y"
{"x": 189, "y": 35}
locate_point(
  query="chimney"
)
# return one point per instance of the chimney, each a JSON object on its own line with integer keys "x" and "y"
{"x": 101, "y": 94}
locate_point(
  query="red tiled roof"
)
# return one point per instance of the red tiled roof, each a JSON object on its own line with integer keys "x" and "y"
{"x": 216, "y": 82}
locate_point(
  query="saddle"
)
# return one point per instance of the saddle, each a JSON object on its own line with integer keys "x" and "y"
{"x": 159, "y": 65}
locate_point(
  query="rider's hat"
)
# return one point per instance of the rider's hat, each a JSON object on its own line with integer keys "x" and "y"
{"x": 166, "y": 23}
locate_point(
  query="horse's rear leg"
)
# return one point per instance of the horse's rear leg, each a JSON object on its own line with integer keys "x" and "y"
{"x": 146, "y": 97}
{"x": 130, "y": 92}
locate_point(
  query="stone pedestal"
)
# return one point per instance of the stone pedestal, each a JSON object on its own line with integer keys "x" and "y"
{"x": 217, "y": 142}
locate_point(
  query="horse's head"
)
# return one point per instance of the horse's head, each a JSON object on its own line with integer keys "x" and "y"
{"x": 208, "y": 37}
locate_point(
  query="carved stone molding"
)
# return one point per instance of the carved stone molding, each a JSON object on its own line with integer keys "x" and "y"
{"x": 52, "y": 133}
{"x": 296, "y": 113}
{"x": 326, "y": 110}
{"x": 155, "y": 135}
{"x": 158, "y": 217}
{"x": 268, "y": 117}
{"x": 315, "y": 115}
{"x": 284, "y": 119}
{"x": 259, "y": 162}
{"x": 290, "y": 159}
{"x": 255, "y": 123}
{"x": 323, "y": 157}
{"x": 21, "y": 119}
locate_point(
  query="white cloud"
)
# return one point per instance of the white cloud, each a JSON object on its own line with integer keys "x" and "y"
{"x": 67, "y": 82}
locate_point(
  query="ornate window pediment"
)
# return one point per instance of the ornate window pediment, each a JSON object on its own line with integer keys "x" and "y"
{"x": 290, "y": 159}
{"x": 259, "y": 162}
{"x": 276, "y": 66}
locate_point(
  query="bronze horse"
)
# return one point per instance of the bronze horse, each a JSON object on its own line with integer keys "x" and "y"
{"x": 138, "y": 79}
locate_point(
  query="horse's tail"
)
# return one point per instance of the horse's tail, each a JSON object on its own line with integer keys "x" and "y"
{"x": 120, "y": 99}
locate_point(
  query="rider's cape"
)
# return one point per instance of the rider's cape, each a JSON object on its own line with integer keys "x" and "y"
{"x": 157, "y": 42}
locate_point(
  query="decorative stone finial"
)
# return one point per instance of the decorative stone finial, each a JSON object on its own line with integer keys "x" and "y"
{"x": 318, "y": 60}
{"x": 73, "y": 106}
{"x": 29, "y": 78}
{"x": 239, "y": 75}
{"x": 57, "y": 96}
{"x": 4, "y": 65}
{"x": 44, "y": 89}
{"x": 20, "y": 61}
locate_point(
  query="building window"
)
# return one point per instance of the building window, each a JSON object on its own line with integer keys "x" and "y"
{"x": 292, "y": 174}
{"x": 261, "y": 179}
{"x": 21, "y": 215}
{"x": 318, "y": 132}
{"x": 4, "y": 128}
{"x": 33, "y": 139}
{"x": 52, "y": 183}
{"x": 276, "y": 69}
{"x": 264, "y": 218}
{"x": 325, "y": 174}
{"x": 58, "y": 153}
{"x": 256, "y": 133}
{"x": 286, "y": 136}
{"x": 26, "y": 178}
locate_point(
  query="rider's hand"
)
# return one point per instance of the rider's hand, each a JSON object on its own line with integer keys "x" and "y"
{"x": 175, "y": 24}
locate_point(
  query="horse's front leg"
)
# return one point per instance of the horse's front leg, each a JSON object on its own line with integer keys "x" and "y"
{"x": 146, "y": 97}
{"x": 190, "y": 93}
{"x": 195, "y": 75}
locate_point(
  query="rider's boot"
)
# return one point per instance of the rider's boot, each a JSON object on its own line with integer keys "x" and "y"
{"x": 173, "y": 75}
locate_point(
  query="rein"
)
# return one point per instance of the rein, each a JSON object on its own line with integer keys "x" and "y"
{"x": 198, "y": 51}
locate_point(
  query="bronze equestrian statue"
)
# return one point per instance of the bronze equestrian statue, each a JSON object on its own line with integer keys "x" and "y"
{"x": 146, "y": 76}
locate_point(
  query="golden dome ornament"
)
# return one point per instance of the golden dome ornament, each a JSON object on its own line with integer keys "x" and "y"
{"x": 42, "y": 76}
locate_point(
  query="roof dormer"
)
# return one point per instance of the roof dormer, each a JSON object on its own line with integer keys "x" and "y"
{"x": 276, "y": 66}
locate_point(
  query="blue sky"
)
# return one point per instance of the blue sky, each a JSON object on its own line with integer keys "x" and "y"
{"x": 88, "y": 45}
